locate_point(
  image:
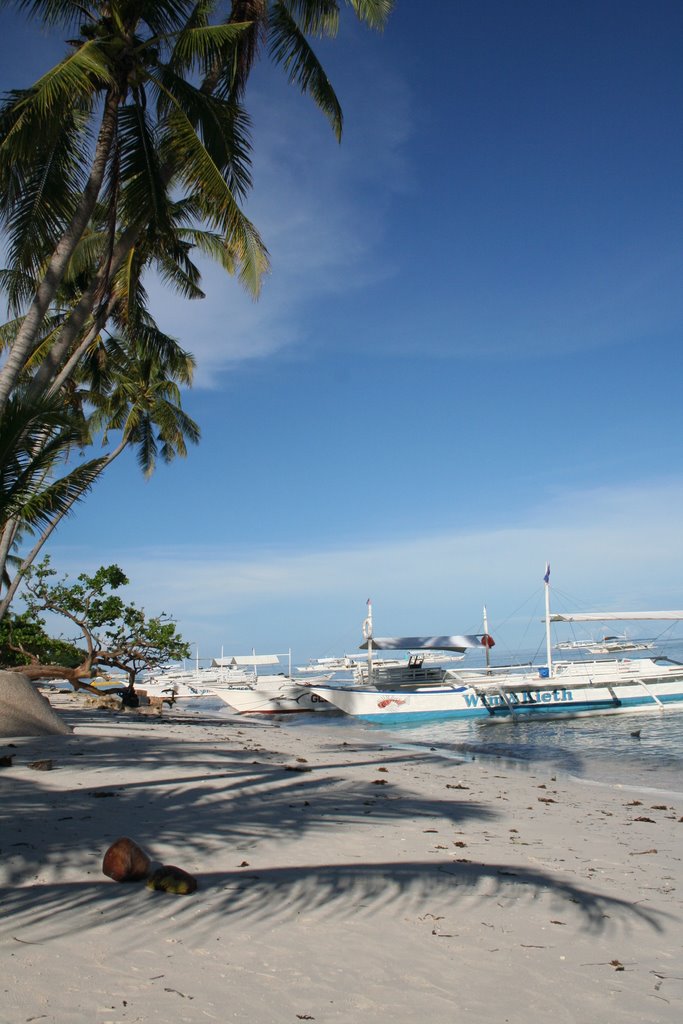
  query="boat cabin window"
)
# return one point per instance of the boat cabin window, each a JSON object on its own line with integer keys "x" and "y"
{"x": 415, "y": 661}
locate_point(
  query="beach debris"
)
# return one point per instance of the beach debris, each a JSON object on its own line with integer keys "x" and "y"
{"x": 379, "y": 782}
{"x": 44, "y": 765}
{"x": 641, "y": 853}
{"x": 546, "y": 800}
{"x": 643, "y": 817}
{"x": 125, "y": 861}
{"x": 6, "y": 760}
{"x": 459, "y": 785}
{"x": 382, "y": 769}
{"x": 617, "y": 965}
{"x": 297, "y": 768}
{"x": 169, "y": 878}
{"x": 636, "y": 736}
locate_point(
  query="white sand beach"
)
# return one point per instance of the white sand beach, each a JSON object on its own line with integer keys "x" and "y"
{"x": 340, "y": 879}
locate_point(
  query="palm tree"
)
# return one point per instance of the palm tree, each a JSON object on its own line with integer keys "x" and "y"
{"x": 142, "y": 399}
{"x": 129, "y": 82}
{"x": 132, "y": 385}
{"x": 35, "y": 438}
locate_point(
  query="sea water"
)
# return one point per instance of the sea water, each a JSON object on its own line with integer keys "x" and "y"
{"x": 635, "y": 751}
{"x": 643, "y": 750}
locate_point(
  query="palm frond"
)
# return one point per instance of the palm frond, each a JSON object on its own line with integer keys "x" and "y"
{"x": 200, "y": 47}
{"x": 143, "y": 191}
{"x": 289, "y": 47}
{"x": 374, "y": 12}
{"x": 75, "y": 80}
{"x": 315, "y": 17}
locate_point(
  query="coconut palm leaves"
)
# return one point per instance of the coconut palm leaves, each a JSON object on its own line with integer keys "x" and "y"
{"x": 147, "y": 104}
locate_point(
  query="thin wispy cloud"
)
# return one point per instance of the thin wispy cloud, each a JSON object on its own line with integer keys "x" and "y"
{"x": 610, "y": 546}
{"x": 322, "y": 211}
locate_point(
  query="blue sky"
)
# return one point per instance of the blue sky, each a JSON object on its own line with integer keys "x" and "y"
{"x": 467, "y": 357}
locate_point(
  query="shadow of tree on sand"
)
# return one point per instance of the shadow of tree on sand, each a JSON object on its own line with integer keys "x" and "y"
{"x": 330, "y": 890}
{"x": 200, "y": 798}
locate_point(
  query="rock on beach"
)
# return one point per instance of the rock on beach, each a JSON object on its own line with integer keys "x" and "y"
{"x": 24, "y": 711}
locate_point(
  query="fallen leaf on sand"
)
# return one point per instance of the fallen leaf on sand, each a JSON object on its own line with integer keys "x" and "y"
{"x": 641, "y": 853}
{"x": 459, "y": 786}
{"x": 546, "y": 800}
{"x": 616, "y": 965}
{"x": 379, "y": 782}
{"x": 643, "y": 818}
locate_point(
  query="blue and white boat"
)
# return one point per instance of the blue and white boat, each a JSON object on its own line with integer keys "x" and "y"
{"x": 564, "y": 688}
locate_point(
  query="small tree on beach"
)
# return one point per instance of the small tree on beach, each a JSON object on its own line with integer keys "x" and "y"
{"x": 24, "y": 638}
{"x": 110, "y": 632}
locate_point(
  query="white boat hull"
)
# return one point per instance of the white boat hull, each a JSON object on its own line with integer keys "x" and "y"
{"x": 571, "y": 693}
{"x": 272, "y": 698}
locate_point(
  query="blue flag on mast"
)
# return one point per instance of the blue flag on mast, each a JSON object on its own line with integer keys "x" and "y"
{"x": 546, "y": 578}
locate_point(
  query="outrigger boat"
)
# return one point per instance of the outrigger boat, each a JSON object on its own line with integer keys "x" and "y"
{"x": 614, "y": 644}
{"x": 567, "y": 688}
{"x": 242, "y": 688}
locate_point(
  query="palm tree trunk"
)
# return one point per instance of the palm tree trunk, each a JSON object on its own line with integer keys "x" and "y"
{"x": 60, "y": 351}
{"x": 25, "y": 341}
{"x": 72, "y": 362}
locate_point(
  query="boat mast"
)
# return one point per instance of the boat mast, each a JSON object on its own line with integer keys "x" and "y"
{"x": 367, "y": 635}
{"x": 548, "y": 646}
{"x": 487, "y": 648}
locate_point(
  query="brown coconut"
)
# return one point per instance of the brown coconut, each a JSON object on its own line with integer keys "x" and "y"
{"x": 125, "y": 861}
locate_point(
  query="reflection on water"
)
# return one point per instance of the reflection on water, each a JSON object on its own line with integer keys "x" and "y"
{"x": 600, "y": 749}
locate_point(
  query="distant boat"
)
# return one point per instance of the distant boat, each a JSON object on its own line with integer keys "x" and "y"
{"x": 275, "y": 695}
{"x": 239, "y": 684}
{"x": 606, "y": 645}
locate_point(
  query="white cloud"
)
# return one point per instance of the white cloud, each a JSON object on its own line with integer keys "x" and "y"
{"x": 611, "y": 547}
{"x": 321, "y": 210}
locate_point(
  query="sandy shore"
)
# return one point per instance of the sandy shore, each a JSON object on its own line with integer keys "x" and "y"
{"x": 341, "y": 879}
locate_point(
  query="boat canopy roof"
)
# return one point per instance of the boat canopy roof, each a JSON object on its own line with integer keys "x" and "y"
{"x": 423, "y": 643}
{"x": 613, "y": 616}
{"x": 246, "y": 659}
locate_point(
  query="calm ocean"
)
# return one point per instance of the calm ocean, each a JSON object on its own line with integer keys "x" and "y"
{"x": 600, "y": 750}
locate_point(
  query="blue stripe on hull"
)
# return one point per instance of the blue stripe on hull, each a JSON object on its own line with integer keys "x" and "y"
{"x": 529, "y": 711}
